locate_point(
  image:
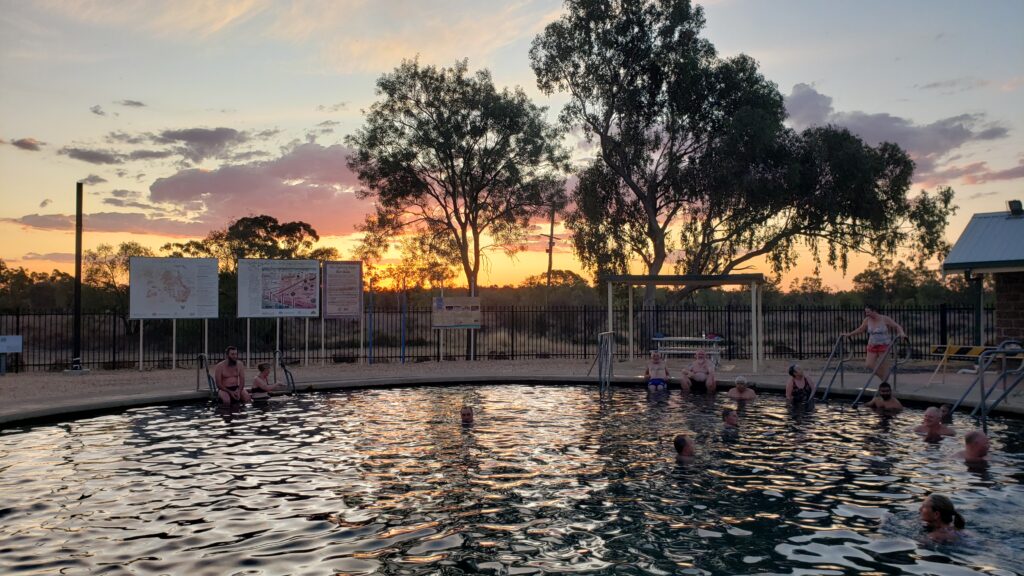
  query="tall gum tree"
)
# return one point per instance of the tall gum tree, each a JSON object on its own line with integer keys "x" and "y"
{"x": 693, "y": 160}
{"x": 449, "y": 157}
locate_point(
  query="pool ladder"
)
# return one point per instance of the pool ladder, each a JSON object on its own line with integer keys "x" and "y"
{"x": 893, "y": 370}
{"x": 840, "y": 354}
{"x": 605, "y": 353}
{"x": 1005, "y": 351}
{"x": 203, "y": 364}
{"x": 289, "y": 378}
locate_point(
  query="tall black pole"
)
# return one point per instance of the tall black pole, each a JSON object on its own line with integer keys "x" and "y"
{"x": 76, "y": 353}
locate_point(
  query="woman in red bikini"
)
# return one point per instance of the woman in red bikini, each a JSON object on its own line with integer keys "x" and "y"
{"x": 878, "y": 326}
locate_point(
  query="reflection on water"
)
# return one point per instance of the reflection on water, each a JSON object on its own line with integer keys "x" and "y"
{"x": 547, "y": 480}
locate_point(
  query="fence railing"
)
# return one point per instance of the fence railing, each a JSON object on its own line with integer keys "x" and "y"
{"x": 110, "y": 341}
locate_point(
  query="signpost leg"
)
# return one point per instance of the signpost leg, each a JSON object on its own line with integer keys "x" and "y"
{"x": 305, "y": 358}
{"x": 753, "y": 325}
{"x": 206, "y": 336}
{"x": 630, "y": 321}
{"x": 323, "y": 345}
{"x": 140, "y": 345}
{"x": 174, "y": 342}
{"x": 248, "y": 342}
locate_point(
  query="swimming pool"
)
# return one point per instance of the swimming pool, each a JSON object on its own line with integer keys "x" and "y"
{"x": 550, "y": 479}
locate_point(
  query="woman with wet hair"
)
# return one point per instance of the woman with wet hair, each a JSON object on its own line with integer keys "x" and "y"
{"x": 940, "y": 519}
{"x": 799, "y": 388}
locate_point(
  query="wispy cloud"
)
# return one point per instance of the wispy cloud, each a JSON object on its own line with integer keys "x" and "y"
{"x": 92, "y": 155}
{"x": 954, "y": 85}
{"x": 93, "y": 179}
{"x": 50, "y": 256}
{"x": 30, "y": 144}
{"x": 97, "y": 110}
{"x": 131, "y": 103}
{"x": 163, "y": 18}
{"x": 126, "y": 222}
{"x": 46, "y": 202}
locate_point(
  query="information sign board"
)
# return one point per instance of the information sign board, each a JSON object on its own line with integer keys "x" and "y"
{"x": 455, "y": 312}
{"x": 343, "y": 289}
{"x": 172, "y": 288}
{"x": 278, "y": 288}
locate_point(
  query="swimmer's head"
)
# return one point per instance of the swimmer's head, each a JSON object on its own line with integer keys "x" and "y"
{"x": 885, "y": 390}
{"x": 977, "y": 442}
{"x": 730, "y": 417}
{"x": 794, "y": 370}
{"x": 683, "y": 445}
{"x": 466, "y": 414}
{"x": 939, "y": 507}
{"x": 932, "y": 416}
{"x": 741, "y": 383}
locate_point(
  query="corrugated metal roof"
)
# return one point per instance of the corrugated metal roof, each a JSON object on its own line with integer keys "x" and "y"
{"x": 992, "y": 242}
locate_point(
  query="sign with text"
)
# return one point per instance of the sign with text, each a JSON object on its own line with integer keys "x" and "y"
{"x": 172, "y": 288}
{"x": 455, "y": 312}
{"x": 343, "y": 289}
{"x": 278, "y": 288}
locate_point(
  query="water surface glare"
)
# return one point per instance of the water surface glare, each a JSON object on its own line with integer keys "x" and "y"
{"x": 548, "y": 480}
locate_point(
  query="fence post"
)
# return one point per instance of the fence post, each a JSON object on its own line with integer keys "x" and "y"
{"x": 17, "y": 330}
{"x": 943, "y": 325}
{"x": 728, "y": 329}
{"x": 800, "y": 331}
{"x": 512, "y": 311}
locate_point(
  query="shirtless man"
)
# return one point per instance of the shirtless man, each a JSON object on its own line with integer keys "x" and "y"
{"x": 884, "y": 401}
{"x": 699, "y": 376}
{"x": 684, "y": 449}
{"x": 229, "y": 374}
{"x": 740, "y": 391}
{"x": 657, "y": 372}
{"x": 975, "y": 448}
{"x": 730, "y": 419}
{"x": 933, "y": 428}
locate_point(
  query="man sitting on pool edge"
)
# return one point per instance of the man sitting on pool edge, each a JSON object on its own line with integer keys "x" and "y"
{"x": 657, "y": 372}
{"x": 699, "y": 376}
{"x": 229, "y": 375}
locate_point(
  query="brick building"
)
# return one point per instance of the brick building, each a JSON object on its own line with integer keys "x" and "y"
{"x": 993, "y": 243}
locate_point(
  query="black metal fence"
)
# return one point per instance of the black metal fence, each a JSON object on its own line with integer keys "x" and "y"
{"x": 110, "y": 341}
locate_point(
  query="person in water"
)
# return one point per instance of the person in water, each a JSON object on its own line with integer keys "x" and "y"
{"x": 699, "y": 376}
{"x": 884, "y": 401}
{"x": 879, "y": 328}
{"x": 740, "y": 391}
{"x": 229, "y": 375}
{"x": 261, "y": 386}
{"x": 466, "y": 414}
{"x": 932, "y": 427}
{"x": 975, "y": 448}
{"x": 684, "y": 449}
{"x": 798, "y": 388}
{"x": 946, "y": 414}
{"x": 657, "y": 372}
{"x": 730, "y": 419}
{"x": 940, "y": 519}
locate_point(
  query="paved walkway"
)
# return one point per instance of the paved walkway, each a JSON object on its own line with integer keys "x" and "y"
{"x": 32, "y": 396}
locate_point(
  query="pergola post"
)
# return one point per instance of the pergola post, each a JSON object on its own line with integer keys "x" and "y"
{"x": 753, "y": 324}
{"x": 630, "y": 287}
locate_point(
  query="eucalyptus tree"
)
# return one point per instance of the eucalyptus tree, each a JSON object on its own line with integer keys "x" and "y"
{"x": 448, "y": 156}
{"x": 693, "y": 158}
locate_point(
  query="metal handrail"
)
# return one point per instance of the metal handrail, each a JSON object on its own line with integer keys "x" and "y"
{"x": 985, "y": 360}
{"x": 605, "y": 343}
{"x": 203, "y": 363}
{"x": 1004, "y": 375}
{"x": 1010, "y": 388}
{"x": 882, "y": 358}
{"x": 845, "y": 354}
{"x": 289, "y": 379}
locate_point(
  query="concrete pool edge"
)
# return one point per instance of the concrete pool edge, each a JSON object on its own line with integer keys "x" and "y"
{"x": 24, "y": 416}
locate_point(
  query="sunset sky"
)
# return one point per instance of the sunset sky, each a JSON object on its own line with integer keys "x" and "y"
{"x": 183, "y": 115}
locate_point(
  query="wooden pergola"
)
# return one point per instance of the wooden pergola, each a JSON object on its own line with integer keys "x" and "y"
{"x": 699, "y": 280}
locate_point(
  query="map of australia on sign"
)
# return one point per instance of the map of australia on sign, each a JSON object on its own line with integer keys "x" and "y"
{"x": 173, "y": 288}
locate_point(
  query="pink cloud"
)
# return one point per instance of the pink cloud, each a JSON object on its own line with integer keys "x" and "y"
{"x": 987, "y": 176}
{"x": 309, "y": 182}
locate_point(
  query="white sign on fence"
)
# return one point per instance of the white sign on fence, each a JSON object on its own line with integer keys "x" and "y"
{"x": 278, "y": 288}
{"x": 343, "y": 289}
{"x": 455, "y": 312}
{"x": 172, "y": 288}
{"x": 10, "y": 344}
